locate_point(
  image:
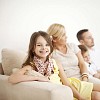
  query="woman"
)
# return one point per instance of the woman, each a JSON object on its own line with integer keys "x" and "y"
{"x": 39, "y": 61}
{"x": 68, "y": 54}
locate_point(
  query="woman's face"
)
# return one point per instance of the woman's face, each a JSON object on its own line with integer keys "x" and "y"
{"x": 42, "y": 48}
{"x": 62, "y": 40}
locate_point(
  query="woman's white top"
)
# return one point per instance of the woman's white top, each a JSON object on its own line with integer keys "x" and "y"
{"x": 69, "y": 60}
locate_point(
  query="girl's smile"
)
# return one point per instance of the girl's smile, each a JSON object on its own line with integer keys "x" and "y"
{"x": 42, "y": 48}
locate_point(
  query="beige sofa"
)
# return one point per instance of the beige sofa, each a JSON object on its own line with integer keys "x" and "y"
{"x": 33, "y": 90}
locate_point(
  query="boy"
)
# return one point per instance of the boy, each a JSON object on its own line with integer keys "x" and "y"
{"x": 92, "y": 68}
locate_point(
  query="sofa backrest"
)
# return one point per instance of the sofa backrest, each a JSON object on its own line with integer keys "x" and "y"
{"x": 12, "y": 59}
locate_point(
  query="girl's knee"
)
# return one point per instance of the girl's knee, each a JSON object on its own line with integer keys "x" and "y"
{"x": 95, "y": 95}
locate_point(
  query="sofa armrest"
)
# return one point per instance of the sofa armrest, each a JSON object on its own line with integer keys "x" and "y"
{"x": 1, "y": 69}
{"x": 33, "y": 90}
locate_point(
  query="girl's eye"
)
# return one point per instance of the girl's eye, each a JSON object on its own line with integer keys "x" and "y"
{"x": 38, "y": 44}
{"x": 42, "y": 45}
{"x": 47, "y": 45}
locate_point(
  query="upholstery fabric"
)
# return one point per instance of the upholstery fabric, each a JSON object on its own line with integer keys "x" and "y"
{"x": 11, "y": 59}
{"x": 33, "y": 90}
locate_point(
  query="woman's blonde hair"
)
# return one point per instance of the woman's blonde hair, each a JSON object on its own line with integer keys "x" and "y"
{"x": 56, "y": 30}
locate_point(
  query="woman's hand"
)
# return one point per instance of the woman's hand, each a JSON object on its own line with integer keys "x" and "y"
{"x": 85, "y": 79}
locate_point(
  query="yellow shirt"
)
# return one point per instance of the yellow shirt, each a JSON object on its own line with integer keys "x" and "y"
{"x": 54, "y": 78}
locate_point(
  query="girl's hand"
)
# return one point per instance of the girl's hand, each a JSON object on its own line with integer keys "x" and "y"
{"x": 43, "y": 79}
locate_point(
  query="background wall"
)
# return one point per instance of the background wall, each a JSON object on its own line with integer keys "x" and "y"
{"x": 20, "y": 18}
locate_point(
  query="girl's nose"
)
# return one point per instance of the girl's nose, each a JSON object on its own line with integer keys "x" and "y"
{"x": 43, "y": 46}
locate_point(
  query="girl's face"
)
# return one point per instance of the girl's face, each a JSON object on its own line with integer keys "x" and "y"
{"x": 86, "y": 57}
{"x": 42, "y": 48}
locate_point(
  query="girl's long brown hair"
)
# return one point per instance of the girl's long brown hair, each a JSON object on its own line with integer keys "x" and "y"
{"x": 32, "y": 46}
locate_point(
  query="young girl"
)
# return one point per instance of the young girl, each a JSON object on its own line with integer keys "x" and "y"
{"x": 39, "y": 60}
{"x": 92, "y": 68}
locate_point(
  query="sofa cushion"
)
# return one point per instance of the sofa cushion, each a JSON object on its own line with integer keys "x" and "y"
{"x": 12, "y": 59}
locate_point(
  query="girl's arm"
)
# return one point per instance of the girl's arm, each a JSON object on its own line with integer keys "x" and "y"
{"x": 82, "y": 66}
{"x": 66, "y": 82}
{"x": 19, "y": 76}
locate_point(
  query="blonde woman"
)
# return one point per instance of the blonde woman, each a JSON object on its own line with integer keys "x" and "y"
{"x": 67, "y": 53}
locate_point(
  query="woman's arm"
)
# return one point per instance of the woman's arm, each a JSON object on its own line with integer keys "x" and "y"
{"x": 83, "y": 68}
{"x": 66, "y": 82}
{"x": 19, "y": 76}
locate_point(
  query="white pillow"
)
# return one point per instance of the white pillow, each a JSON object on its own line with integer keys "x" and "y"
{"x": 12, "y": 59}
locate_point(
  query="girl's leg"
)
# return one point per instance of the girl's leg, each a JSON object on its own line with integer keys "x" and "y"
{"x": 96, "y": 87}
{"x": 95, "y": 95}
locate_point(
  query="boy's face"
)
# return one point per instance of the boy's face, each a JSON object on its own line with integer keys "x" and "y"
{"x": 42, "y": 48}
{"x": 86, "y": 57}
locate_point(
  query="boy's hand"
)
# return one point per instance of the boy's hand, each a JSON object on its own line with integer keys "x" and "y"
{"x": 97, "y": 75}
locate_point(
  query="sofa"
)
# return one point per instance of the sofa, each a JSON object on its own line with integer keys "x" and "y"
{"x": 33, "y": 90}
